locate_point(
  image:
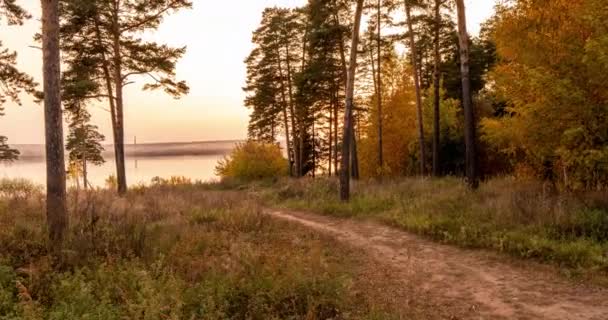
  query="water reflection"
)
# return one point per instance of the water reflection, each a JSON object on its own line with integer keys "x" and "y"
{"x": 139, "y": 170}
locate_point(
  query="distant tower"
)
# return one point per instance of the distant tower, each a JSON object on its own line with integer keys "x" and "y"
{"x": 135, "y": 150}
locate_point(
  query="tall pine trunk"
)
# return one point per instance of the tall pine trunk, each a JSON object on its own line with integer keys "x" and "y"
{"x": 314, "y": 153}
{"x": 84, "y": 161}
{"x": 379, "y": 87}
{"x": 288, "y": 141}
{"x": 105, "y": 64}
{"x": 348, "y": 112}
{"x": 469, "y": 113}
{"x": 414, "y": 53}
{"x": 285, "y": 117}
{"x": 355, "y": 154}
{"x": 56, "y": 207}
{"x": 292, "y": 110}
{"x": 300, "y": 148}
{"x": 336, "y": 140}
{"x": 354, "y": 161}
{"x": 436, "y": 91}
{"x": 119, "y": 143}
{"x": 85, "y": 179}
{"x": 331, "y": 138}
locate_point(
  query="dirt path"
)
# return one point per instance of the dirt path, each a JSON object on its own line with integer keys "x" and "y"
{"x": 472, "y": 284}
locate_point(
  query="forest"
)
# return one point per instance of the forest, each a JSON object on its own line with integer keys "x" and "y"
{"x": 396, "y": 166}
{"x": 535, "y": 96}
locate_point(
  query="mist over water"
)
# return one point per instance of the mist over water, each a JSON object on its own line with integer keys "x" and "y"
{"x": 196, "y": 161}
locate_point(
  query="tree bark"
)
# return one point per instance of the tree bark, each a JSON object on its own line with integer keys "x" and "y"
{"x": 469, "y": 113}
{"x": 291, "y": 108}
{"x": 84, "y": 162}
{"x": 285, "y": 118}
{"x": 85, "y": 179}
{"x": 110, "y": 89}
{"x": 436, "y": 92}
{"x": 414, "y": 54}
{"x": 272, "y": 134}
{"x": 354, "y": 159}
{"x": 56, "y": 206}
{"x": 336, "y": 128}
{"x": 348, "y": 112}
{"x": 331, "y": 137}
{"x": 379, "y": 87}
{"x": 355, "y": 153}
{"x": 300, "y": 149}
{"x": 121, "y": 177}
{"x": 314, "y": 153}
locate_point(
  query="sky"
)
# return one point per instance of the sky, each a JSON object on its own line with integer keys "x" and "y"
{"x": 218, "y": 38}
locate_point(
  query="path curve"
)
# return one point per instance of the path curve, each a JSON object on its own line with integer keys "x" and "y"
{"x": 489, "y": 287}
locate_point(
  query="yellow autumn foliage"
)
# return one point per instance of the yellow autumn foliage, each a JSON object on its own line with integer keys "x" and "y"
{"x": 253, "y": 160}
{"x": 554, "y": 76}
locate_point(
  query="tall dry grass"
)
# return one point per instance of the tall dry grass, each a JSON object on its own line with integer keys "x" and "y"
{"x": 174, "y": 250}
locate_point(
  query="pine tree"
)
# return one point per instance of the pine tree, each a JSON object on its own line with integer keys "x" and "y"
{"x": 108, "y": 29}
{"x": 83, "y": 142}
{"x": 6, "y": 152}
{"x": 321, "y": 84}
{"x": 270, "y": 78}
{"x": 12, "y": 81}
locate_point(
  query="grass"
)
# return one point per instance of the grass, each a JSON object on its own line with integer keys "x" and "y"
{"x": 520, "y": 218}
{"x": 183, "y": 250}
{"x": 170, "y": 251}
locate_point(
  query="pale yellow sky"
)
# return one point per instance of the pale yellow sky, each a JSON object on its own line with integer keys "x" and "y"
{"x": 218, "y": 37}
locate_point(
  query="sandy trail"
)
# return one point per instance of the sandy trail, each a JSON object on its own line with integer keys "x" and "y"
{"x": 480, "y": 284}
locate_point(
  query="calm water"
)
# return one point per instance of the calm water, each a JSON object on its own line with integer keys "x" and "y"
{"x": 141, "y": 170}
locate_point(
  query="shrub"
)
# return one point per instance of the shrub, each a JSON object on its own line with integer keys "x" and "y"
{"x": 111, "y": 182}
{"x": 253, "y": 161}
{"x": 172, "y": 181}
{"x": 18, "y": 188}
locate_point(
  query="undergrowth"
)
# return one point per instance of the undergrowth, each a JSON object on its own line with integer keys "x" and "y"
{"x": 170, "y": 251}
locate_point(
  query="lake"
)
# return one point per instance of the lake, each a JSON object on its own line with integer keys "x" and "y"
{"x": 196, "y": 161}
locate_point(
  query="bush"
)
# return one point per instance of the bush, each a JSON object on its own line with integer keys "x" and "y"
{"x": 19, "y": 188}
{"x": 253, "y": 161}
{"x": 172, "y": 181}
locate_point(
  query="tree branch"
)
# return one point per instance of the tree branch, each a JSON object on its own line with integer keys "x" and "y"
{"x": 150, "y": 18}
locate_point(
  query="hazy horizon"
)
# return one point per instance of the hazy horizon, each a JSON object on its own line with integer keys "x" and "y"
{"x": 36, "y": 152}
{"x": 218, "y": 42}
